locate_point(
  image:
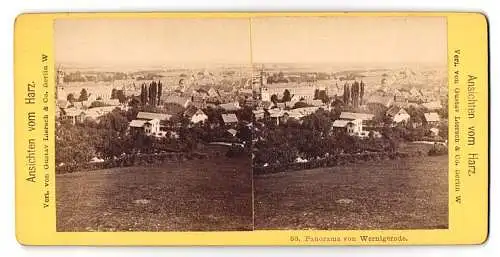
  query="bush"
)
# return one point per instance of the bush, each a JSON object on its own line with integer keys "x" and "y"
{"x": 438, "y": 149}
{"x": 236, "y": 151}
{"x": 334, "y": 160}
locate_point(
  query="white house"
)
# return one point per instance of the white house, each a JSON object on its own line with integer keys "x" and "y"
{"x": 353, "y": 123}
{"x": 259, "y": 114}
{"x": 432, "y": 118}
{"x": 73, "y": 114}
{"x": 435, "y": 105}
{"x": 198, "y": 116}
{"x": 352, "y": 127}
{"x": 434, "y": 131}
{"x": 230, "y": 107}
{"x": 232, "y": 132}
{"x": 152, "y": 127}
{"x": 212, "y": 92}
{"x": 229, "y": 119}
{"x": 148, "y": 127}
{"x": 398, "y": 115}
{"x": 148, "y": 123}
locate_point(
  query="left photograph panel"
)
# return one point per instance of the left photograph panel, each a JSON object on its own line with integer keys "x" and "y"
{"x": 152, "y": 125}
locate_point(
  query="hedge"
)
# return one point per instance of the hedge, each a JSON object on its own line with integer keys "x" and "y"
{"x": 341, "y": 159}
{"x": 131, "y": 160}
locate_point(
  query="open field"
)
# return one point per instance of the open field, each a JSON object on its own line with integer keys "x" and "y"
{"x": 407, "y": 193}
{"x": 197, "y": 195}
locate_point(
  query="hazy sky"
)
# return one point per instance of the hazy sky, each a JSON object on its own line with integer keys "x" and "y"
{"x": 350, "y": 39}
{"x": 129, "y": 42}
{"x": 152, "y": 41}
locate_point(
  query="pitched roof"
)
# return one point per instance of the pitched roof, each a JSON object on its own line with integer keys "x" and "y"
{"x": 392, "y": 111}
{"x": 233, "y": 106}
{"x": 232, "y": 131}
{"x": 432, "y": 105}
{"x": 355, "y": 116}
{"x": 152, "y": 115}
{"x": 190, "y": 111}
{"x": 260, "y": 111}
{"x": 110, "y": 101}
{"x": 431, "y": 117}
{"x": 213, "y": 92}
{"x": 174, "y": 99}
{"x": 82, "y": 104}
{"x": 383, "y": 100}
{"x": 152, "y": 121}
{"x": 276, "y": 112}
{"x": 315, "y": 102}
{"x": 340, "y": 123}
{"x": 266, "y": 104}
{"x": 62, "y": 103}
{"x": 137, "y": 123}
{"x": 245, "y": 91}
{"x": 199, "y": 112}
{"x": 73, "y": 112}
{"x": 229, "y": 118}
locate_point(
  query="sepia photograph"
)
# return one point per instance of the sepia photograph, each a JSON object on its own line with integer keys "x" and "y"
{"x": 261, "y": 123}
{"x": 351, "y": 125}
{"x": 151, "y": 129}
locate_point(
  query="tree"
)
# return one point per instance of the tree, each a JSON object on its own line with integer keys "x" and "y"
{"x": 361, "y": 92}
{"x": 244, "y": 133}
{"x": 443, "y": 130}
{"x": 83, "y": 95}
{"x": 274, "y": 98}
{"x": 144, "y": 94}
{"x": 323, "y": 96}
{"x": 71, "y": 98}
{"x": 75, "y": 144}
{"x": 116, "y": 120}
{"x": 113, "y": 93}
{"x": 159, "y": 91}
{"x": 214, "y": 116}
{"x": 121, "y": 96}
{"x": 153, "y": 92}
{"x": 300, "y": 105}
{"x": 134, "y": 102}
{"x": 416, "y": 115}
{"x": 131, "y": 113}
{"x": 245, "y": 114}
{"x": 286, "y": 96}
{"x": 316, "y": 94}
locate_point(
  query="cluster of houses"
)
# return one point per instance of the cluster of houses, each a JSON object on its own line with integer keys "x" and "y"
{"x": 193, "y": 98}
{"x": 354, "y": 123}
{"x": 78, "y": 112}
{"x": 155, "y": 124}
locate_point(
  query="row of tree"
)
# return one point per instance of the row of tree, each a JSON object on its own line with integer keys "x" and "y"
{"x": 353, "y": 94}
{"x": 151, "y": 93}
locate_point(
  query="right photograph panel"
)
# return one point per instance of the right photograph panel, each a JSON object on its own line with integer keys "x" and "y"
{"x": 351, "y": 125}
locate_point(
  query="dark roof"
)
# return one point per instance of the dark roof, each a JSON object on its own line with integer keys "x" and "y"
{"x": 190, "y": 111}
{"x": 176, "y": 100}
{"x": 152, "y": 115}
{"x": 229, "y": 118}
{"x": 392, "y": 111}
